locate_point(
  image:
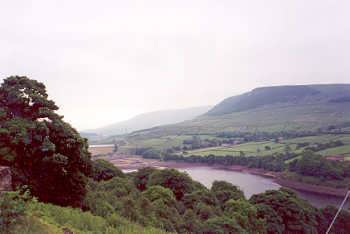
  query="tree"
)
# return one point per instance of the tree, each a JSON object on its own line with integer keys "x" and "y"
{"x": 284, "y": 212}
{"x": 196, "y": 142}
{"x": 245, "y": 214}
{"x": 104, "y": 170}
{"x": 179, "y": 183}
{"x": 44, "y": 152}
{"x": 224, "y": 191}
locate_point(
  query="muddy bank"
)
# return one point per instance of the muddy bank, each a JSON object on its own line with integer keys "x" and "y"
{"x": 135, "y": 162}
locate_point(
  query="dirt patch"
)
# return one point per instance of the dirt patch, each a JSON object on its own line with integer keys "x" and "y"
{"x": 100, "y": 150}
{"x": 135, "y": 162}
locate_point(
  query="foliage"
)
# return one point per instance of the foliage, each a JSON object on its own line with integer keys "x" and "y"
{"x": 224, "y": 191}
{"x": 116, "y": 205}
{"x": 342, "y": 224}
{"x": 311, "y": 164}
{"x": 44, "y": 152}
{"x": 11, "y": 208}
{"x": 286, "y": 213}
{"x": 245, "y": 214}
{"x": 104, "y": 170}
{"x": 179, "y": 183}
{"x": 51, "y": 219}
{"x": 142, "y": 176}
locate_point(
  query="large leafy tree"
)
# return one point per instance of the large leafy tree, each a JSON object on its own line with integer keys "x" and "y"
{"x": 44, "y": 152}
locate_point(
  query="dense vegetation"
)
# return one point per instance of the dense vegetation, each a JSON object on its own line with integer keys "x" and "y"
{"x": 45, "y": 153}
{"x": 311, "y": 164}
{"x": 168, "y": 200}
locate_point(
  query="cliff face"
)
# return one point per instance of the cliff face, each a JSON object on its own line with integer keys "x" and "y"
{"x": 5, "y": 179}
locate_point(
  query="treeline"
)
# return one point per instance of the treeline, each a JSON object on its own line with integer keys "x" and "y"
{"x": 323, "y": 146}
{"x": 171, "y": 200}
{"x": 271, "y": 163}
{"x": 311, "y": 164}
{"x": 263, "y": 136}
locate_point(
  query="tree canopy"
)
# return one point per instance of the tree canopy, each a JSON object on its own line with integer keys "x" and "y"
{"x": 45, "y": 153}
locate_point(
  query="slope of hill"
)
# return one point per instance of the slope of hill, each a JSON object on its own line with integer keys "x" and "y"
{"x": 152, "y": 119}
{"x": 297, "y": 94}
{"x": 280, "y": 108}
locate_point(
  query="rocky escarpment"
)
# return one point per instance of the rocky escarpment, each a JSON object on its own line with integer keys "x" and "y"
{"x": 5, "y": 179}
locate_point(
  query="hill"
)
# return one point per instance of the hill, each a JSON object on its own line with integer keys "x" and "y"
{"x": 149, "y": 120}
{"x": 297, "y": 94}
{"x": 270, "y": 109}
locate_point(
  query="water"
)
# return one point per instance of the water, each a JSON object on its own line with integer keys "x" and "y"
{"x": 253, "y": 184}
{"x": 249, "y": 183}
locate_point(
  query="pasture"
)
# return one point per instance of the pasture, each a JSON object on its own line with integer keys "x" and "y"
{"x": 266, "y": 148}
{"x": 248, "y": 149}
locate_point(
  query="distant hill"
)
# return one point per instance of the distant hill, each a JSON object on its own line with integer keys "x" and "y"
{"x": 150, "y": 120}
{"x": 297, "y": 108}
{"x": 298, "y": 94}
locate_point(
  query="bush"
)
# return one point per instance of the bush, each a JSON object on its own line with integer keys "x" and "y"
{"x": 12, "y": 207}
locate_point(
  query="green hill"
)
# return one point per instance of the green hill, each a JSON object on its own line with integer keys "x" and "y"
{"x": 270, "y": 109}
{"x": 297, "y": 94}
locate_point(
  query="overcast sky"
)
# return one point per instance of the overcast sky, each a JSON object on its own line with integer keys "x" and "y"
{"x": 105, "y": 61}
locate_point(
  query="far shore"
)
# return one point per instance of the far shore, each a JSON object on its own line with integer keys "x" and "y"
{"x": 135, "y": 162}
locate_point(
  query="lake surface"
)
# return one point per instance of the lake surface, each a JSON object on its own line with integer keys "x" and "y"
{"x": 253, "y": 184}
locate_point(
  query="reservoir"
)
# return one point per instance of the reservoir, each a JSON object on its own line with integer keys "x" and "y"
{"x": 254, "y": 184}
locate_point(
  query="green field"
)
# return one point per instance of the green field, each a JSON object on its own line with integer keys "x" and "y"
{"x": 319, "y": 139}
{"x": 341, "y": 150}
{"x": 260, "y": 148}
{"x": 249, "y": 149}
{"x": 162, "y": 143}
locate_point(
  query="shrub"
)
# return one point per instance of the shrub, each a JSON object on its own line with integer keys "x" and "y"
{"x": 12, "y": 207}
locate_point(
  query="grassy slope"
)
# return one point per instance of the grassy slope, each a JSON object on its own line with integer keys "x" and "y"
{"x": 160, "y": 143}
{"x": 277, "y": 117}
{"x": 46, "y": 218}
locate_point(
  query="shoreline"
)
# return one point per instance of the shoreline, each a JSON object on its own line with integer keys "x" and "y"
{"x": 135, "y": 162}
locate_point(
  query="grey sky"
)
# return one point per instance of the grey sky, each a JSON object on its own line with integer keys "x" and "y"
{"x": 105, "y": 61}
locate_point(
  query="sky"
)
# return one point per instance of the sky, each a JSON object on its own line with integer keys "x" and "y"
{"x": 106, "y": 61}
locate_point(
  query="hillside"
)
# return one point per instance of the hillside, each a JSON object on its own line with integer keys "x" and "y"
{"x": 150, "y": 120}
{"x": 270, "y": 109}
{"x": 294, "y": 95}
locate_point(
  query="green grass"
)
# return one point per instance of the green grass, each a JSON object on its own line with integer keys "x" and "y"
{"x": 249, "y": 149}
{"x": 161, "y": 143}
{"x": 258, "y": 148}
{"x": 320, "y": 139}
{"x": 341, "y": 150}
{"x": 46, "y": 218}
